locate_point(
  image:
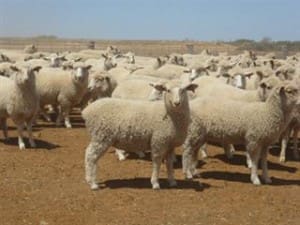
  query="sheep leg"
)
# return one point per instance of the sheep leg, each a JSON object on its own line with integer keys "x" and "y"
{"x": 59, "y": 117}
{"x": 141, "y": 154}
{"x": 45, "y": 115}
{"x": 66, "y": 114}
{"x": 248, "y": 160}
{"x": 4, "y": 128}
{"x": 120, "y": 154}
{"x": 254, "y": 156}
{"x": 295, "y": 138}
{"x": 190, "y": 159}
{"x": 30, "y": 136}
{"x": 92, "y": 154}
{"x": 20, "y": 128}
{"x": 170, "y": 169}
{"x": 284, "y": 143}
{"x": 229, "y": 150}
{"x": 156, "y": 163}
{"x": 264, "y": 166}
{"x": 203, "y": 150}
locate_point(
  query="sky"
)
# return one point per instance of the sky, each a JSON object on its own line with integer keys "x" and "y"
{"x": 206, "y": 20}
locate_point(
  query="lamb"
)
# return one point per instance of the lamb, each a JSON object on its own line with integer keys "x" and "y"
{"x": 126, "y": 124}
{"x": 100, "y": 85}
{"x": 257, "y": 125}
{"x": 30, "y": 49}
{"x": 62, "y": 88}
{"x": 5, "y": 58}
{"x": 19, "y": 101}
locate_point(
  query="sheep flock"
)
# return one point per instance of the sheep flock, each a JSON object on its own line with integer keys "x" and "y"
{"x": 139, "y": 104}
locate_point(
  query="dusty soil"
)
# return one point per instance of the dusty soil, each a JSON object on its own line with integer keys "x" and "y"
{"x": 46, "y": 186}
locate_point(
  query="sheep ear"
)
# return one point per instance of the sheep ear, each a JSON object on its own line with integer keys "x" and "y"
{"x": 88, "y": 67}
{"x": 14, "y": 68}
{"x": 77, "y": 59}
{"x": 263, "y": 85}
{"x": 249, "y": 74}
{"x": 46, "y": 58}
{"x": 191, "y": 87}
{"x": 259, "y": 74}
{"x": 159, "y": 87}
{"x": 36, "y": 68}
{"x": 104, "y": 56}
{"x": 158, "y": 60}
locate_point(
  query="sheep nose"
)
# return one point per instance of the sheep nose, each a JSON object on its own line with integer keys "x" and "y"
{"x": 176, "y": 103}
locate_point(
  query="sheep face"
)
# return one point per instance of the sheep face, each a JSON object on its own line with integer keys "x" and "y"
{"x": 289, "y": 94}
{"x": 99, "y": 83}
{"x": 81, "y": 73}
{"x": 266, "y": 86}
{"x": 56, "y": 61}
{"x": 25, "y": 75}
{"x": 109, "y": 62}
{"x": 175, "y": 97}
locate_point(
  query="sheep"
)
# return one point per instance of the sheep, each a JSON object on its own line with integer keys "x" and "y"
{"x": 257, "y": 125}
{"x": 62, "y": 88}
{"x": 5, "y": 69}
{"x": 126, "y": 124}
{"x": 294, "y": 127}
{"x": 100, "y": 85}
{"x": 30, "y": 49}
{"x": 5, "y": 58}
{"x": 19, "y": 101}
{"x": 209, "y": 86}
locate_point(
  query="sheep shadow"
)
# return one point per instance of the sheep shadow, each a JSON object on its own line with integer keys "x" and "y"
{"x": 275, "y": 151}
{"x": 53, "y": 125}
{"x": 176, "y": 165}
{"x": 39, "y": 143}
{"x": 144, "y": 183}
{"x": 244, "y": 178}
{"x": 241, "y": 160}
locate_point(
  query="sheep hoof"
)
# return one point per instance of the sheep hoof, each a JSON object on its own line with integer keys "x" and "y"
{"x": 32, "y": 144}
{"x": 141, "y": 155}
{"x": 22, "y": 146}
{"x": 68, "y": 125}
{"x": 156, "y": 186}
{"x": 268, "y": 180}
{"x": 282, "y": 159}
{"x": 94, "y": 187}
{"x": 173, "y": 183}
{"x": 256, "y": 181}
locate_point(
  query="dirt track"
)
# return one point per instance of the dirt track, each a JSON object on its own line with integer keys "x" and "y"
{"x": 46, "y": 186}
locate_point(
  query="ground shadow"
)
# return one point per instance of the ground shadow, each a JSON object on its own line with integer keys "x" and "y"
{"x": 243, "y": 178}
{"x": 177, "y": 164}
{"x": 39, "y": 143}
{"x": 144, "y": 183}
{"x": 241, "y": 160}
{"x": 275, "y": 151}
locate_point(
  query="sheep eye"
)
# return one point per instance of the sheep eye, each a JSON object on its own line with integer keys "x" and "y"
{"x": 168, "y": 90}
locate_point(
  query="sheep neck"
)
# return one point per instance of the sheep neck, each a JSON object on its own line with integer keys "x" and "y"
{"x": 179, "y": 117}
{"x": 279, "y": 109}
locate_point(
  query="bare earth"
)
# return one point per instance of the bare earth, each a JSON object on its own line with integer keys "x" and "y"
{"x": 46, "y": 186}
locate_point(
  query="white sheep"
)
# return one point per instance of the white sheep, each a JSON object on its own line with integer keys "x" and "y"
{"x": 257, "y": 125}
{"x": 62, "y": 88}
{"x": 19, "y": 101}
{"x": 126, "y": 124}
{"x": 100, "y": 85}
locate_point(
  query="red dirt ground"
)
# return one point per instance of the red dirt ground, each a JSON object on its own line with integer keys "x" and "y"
{"x": 46, "y": 186}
